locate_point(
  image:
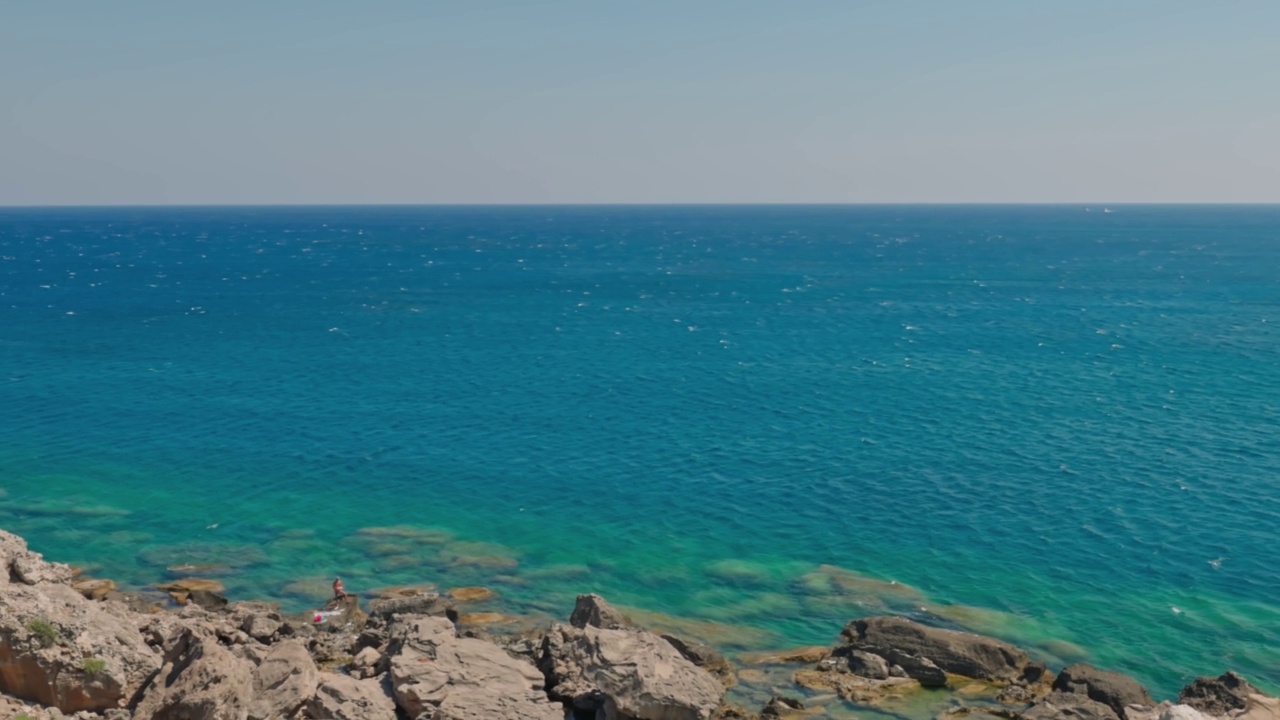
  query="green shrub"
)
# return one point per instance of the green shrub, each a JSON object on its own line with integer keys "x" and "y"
{"x": 23, "y": 716}
{"x": 93, "y": 666}
{"x": 44, "y": 631}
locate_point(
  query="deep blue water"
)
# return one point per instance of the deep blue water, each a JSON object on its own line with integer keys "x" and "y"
{"x": 1045, "y": 423}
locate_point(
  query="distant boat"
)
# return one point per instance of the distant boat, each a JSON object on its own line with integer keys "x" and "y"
{"x": 1106, "y": 210}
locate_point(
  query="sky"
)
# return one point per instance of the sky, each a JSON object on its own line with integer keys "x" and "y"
{"x": 812, "y": 101}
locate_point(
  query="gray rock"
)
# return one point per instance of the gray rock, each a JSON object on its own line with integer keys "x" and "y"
{"x": 435, "y": 673}
{"x": 285, "y": 680}
{"x": 1068, "y": 706}
{"x": 705, "y": 657}
{"x": 1184, "y": 712}
{"x": 1112, "y": 689}
{"x": 595, "y": 611}
{"x": 425, "y": 603}
{"x": 341, "y": 697}
{"x": 1218, "y": 696}
{"x": 200, "y": 680}
{"x": 626, "y": 674}
{"x": 912, "y": 645}
{"x": 864, "y": 664}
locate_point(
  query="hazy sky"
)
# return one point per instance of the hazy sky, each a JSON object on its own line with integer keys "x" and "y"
{"x": 234, "y": 101}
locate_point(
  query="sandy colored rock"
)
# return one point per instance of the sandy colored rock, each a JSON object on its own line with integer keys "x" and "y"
{"x": 341, "y": 697}
{"x": 200, "y": 680}
{"x": 436, "y": 674}
{"x": 192, "y": 583}
{"x": 484, "y": 618}
{"x": 593, "y": 610}
{"x": 94, "y": 589}
{"x": 626, "y": 674}
{"x": 471, "y": 594}
{"x": 856, "y": 689}
{"x": 806, "y": 655}
{"x": 285, "y": 680}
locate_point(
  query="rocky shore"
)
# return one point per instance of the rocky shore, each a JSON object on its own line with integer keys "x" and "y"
{"x": 77, "y": 647}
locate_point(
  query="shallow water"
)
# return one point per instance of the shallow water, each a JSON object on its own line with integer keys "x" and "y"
{"x": 1041, "y": 423}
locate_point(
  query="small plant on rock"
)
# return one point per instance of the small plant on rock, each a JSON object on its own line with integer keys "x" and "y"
{"x": 46, "y": 633}
{"x": 93, "y": 666}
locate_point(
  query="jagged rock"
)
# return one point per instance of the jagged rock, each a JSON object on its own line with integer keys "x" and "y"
{"x": 340, "y": 697}
{"x": 61, "y": 650}
{"x": 20, "y": 565}
{"x": 1260, "y": 707}
{"x": 284, "y": 681}
{"x": 366, "y": 663}
{"x": 1183, "y": 712}
{"x": 781, "y": 707}
{"x": 924, "y": 651}
{"x": 1109, "y": 688}
{"x": 435, "y": 673}
{"x": 868, "y": 665}
{"x": 1068, "y": 706}
{"x": 422, "y": 603}
{"x": 595, "y": 611}
{"x": 200, "y": 680}
{"x": 1217, "y": 696}
{"x": 626, "y": 674}
{"x": 705, "y": 657}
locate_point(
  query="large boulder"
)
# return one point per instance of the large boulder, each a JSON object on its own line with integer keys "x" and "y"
{"x": 1067, "y": 706}
{"x": 436, "y": 674}
{"x": 342, "y": 697}
{"x": 200, "y": 680}
{"x": 61, "y": 650}
{"x": 626, "y": 675}
{"x": 420, "y": 603}
{"x": 283, "y": 682}
{"x": 927, "y": 652}
{"x": 1218, "y": 696}
{"x": 1112, "y": 689}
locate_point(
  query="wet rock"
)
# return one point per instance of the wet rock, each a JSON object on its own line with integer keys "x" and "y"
{"x": 855, "y": 688}
{"x": 806, "y": 655}
{"x": 868, "y": 665}
{"x": 94, "y": 589}
{"x": 595, "y": 611}
{"x": 782, "y": 707}
{"x": 1218, "y": 696}
{"x": 924, "y": 652}
{"x": 285, "y": 680}
{"x": 435, "y": 673}
{"x": 200, "y": 680}
{"x": 705, "y": 657}
{"x": 631, "y": 674}
{"x": 422, "y": 603}
{"x": 1112, "y": 689}
{"x": 340, "y": 697}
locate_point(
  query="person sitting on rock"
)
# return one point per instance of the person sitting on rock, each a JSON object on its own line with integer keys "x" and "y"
{"x": 338, "y": 592}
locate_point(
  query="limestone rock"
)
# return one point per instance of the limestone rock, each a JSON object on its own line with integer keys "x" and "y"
{"x": 1109, "y": 688}
{"x": 1068, "y": 706}
{"x": 626, "y": 675}
{"x": 1260, "y": 707}
{"x": 857, "y": 689}
{"x": 1183, "y": 712}
{"x": 20, "y": 565}
{"x": 923, "y": 651}
{"x": 435, "y": 673}
{"x": 705, "y": 657}
{"x": 595, "y": 611}
{"x": 422, "y": 603}
{"x": 94, "y": 589}
{"x": 1217, "y": 696}
{"x": 61, "y": 650}
{"x": 284, "y": 681}
{"x": 200, "y": 680}
{"x": 807, "y": 655}
{"x": 471, "y": 594}
{"x": 341, "y": 697}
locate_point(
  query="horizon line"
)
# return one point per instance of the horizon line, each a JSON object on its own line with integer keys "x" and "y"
{"x": 1087, "y": 204}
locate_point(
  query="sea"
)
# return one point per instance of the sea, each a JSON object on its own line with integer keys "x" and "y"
{"x": 752, "y": 424}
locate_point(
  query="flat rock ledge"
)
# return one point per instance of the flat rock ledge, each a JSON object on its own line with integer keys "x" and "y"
{"x": 80, "y": 648}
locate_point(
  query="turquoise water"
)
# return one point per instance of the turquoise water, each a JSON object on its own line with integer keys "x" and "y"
{"x": 1048, "y": 424}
